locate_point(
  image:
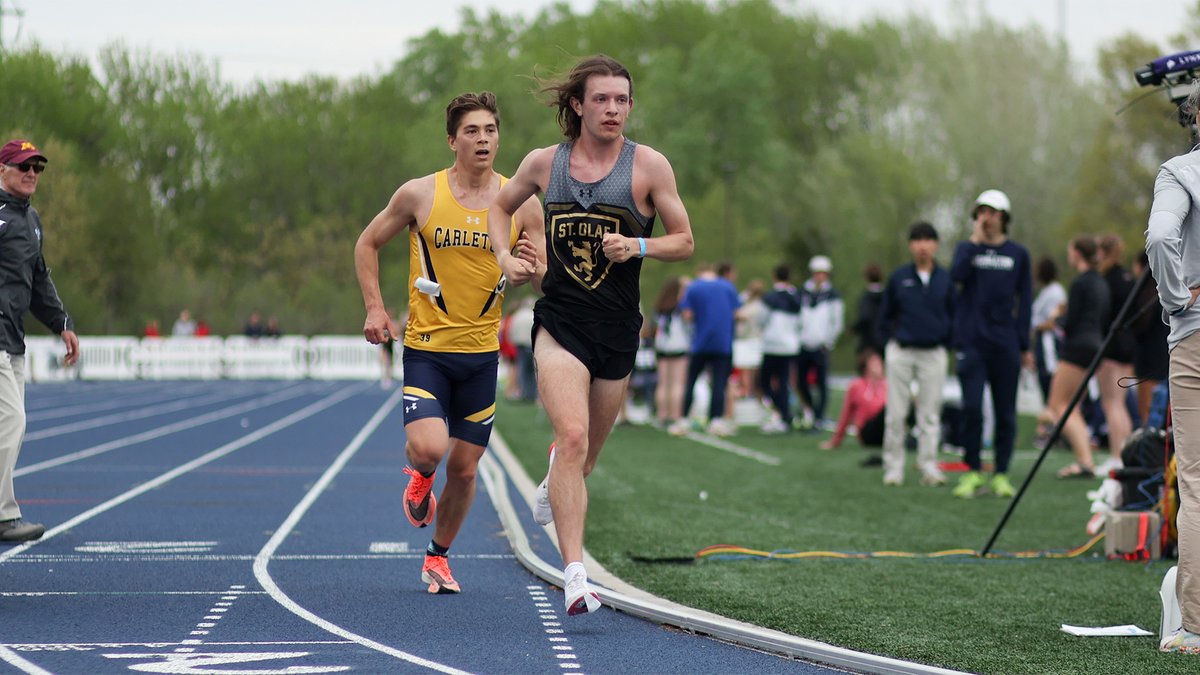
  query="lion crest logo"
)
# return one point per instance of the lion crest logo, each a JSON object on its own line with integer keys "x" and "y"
{"x": 577, "y": 239}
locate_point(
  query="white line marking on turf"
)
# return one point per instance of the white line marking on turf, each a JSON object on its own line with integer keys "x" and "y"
{"x": 264, "y": 556}
{"x": 277, "y": 425}
{"x": 740, "y": 451}
{"x": 16, "y": 661}
{"x": 213, "y": 416}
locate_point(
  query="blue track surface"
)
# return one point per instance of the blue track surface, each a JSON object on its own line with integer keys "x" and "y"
{"x": 255, "y": 527}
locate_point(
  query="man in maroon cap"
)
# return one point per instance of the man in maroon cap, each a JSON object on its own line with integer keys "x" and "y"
{"x": 25, "y": 285}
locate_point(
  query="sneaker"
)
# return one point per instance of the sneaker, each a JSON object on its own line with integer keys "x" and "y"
{"x": 542, "y": 513}
{"x": 680, "y": 427}
{"x": 1182, "y": 641}
{"x": 774, "y": 426}
{"x": 19, "y": 529}
{"x": 1001, "y": 487}
{"x": 721, "y": 427}
{"x": 932, "y": 476}
{"x": 580, "y": 598}
{"x": 968, "y": 485}
{"x": 436, "y": 573}
{"x": 419, "y": 502}
{"x": 893, "y": 478}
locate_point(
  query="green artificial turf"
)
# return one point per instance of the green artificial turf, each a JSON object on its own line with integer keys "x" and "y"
{"x": 647, "y": 513}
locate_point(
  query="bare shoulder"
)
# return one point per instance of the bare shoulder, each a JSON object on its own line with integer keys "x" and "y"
{"x": 540, "y": 159}
{"x": 652, "y": 162}
{"x": 416, "y": 192}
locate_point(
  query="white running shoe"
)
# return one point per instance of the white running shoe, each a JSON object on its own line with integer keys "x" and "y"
{"x": 580, "y": 598}
{"x": 542, "y": 513}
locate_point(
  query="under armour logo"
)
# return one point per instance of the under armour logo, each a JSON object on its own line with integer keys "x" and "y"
{"x": 410, "y": 408}
{"x": 473, "y": 220}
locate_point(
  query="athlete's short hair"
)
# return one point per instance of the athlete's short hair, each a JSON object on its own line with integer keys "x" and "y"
{"x": 574, "y": 85}
{"x": 465, "y": 103}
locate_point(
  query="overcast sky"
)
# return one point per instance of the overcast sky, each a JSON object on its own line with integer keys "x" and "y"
{"x": 273, "y": 39}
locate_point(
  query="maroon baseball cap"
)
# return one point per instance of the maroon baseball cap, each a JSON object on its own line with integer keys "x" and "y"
{"x": 19, "y": 150}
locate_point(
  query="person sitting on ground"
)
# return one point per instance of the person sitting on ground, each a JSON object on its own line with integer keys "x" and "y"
{"x": 864, "y": 404}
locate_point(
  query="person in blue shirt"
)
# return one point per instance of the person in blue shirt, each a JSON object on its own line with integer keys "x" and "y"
{"x": 710, "y": 303}
{"x": 991, "y": 336}
{"x": 915, "y": 315}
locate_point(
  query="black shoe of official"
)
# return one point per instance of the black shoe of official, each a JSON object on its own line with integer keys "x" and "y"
{"x": 19, "y": 529}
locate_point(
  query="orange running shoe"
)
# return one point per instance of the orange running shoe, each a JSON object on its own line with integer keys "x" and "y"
{"x": 419, "y": 502}
{"x": 436, "y": 573}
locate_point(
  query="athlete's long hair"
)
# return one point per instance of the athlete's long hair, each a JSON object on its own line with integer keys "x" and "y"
{"x": 465, "y": 103}
{"x": 572, "y": 87}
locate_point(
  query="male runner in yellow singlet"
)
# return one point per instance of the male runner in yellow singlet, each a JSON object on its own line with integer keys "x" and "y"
{"x": 602, "y": 194}
{"x": 450, "y": 342}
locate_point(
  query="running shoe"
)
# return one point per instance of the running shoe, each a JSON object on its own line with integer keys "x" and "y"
{"x": 1001, "y": 487}
{"x": 580, "y": 598}
{"x": 419, "y": 502}
{"x": 436, "y": 573}
{"x": 968, "y": 485}
{"x": 1182, "y": 641}
{"x": 542, "y": 513}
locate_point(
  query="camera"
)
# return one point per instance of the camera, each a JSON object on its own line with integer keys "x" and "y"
{"x": 1176, "y": 73}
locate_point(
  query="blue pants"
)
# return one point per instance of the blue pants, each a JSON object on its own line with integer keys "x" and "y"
{"x": 719, "y": 367}
{"x": 813, "y": 359}
{"x": 1002, "y": 370}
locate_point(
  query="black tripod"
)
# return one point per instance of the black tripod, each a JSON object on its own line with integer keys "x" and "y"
{"x": 1118, "y": 324}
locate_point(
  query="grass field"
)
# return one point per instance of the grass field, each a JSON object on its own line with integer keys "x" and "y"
{"x": 987, "y": 616}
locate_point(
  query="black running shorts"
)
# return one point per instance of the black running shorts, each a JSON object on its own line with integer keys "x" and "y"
{"x": 607, "y": 346}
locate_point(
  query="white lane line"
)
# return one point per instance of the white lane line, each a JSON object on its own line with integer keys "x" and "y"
{"x": 117, "y": 418}
{"x": 131, "y": 401}
{"x": 87, "y": 646}
{"x": 283, "y": 423}
{"x": 272, "y": 399}
{"x": 64, "y": 558}
{"x": 265, "y": 555}
{"x": 16, "y": 661}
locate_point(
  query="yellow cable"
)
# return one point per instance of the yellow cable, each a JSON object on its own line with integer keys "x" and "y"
{"x": 726, "y": 549}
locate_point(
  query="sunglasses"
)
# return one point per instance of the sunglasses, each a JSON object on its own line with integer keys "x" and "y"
{"x": 26, "y": 166}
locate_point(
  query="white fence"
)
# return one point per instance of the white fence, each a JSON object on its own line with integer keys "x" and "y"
{"x": 326, "y": 357}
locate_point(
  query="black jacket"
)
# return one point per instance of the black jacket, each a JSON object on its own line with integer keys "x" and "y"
{"x": 916, "y": 314}
{"x": 25, "y": 284}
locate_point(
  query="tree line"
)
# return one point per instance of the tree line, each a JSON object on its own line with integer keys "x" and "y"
{"x": 170, "y": 188}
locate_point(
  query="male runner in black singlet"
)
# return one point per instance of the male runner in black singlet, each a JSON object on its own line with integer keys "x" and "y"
{"x": 602, "y": 193}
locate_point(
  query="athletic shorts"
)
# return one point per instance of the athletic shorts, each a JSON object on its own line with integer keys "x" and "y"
{"x": 1077, "y": 356}
{"x": 1122, "y": 347}
{"x": 607, "y": 347}
{"x": 458, "y": 388}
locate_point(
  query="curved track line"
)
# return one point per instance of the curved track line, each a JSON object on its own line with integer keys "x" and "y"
{"x": 263, "y": 559}
{"x": 282, "y": 423}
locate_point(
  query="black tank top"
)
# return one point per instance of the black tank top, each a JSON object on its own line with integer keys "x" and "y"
{"x": 579, "y": 277}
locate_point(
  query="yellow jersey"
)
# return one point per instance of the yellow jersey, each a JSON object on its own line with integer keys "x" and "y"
{"x": 453, "y": 251}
